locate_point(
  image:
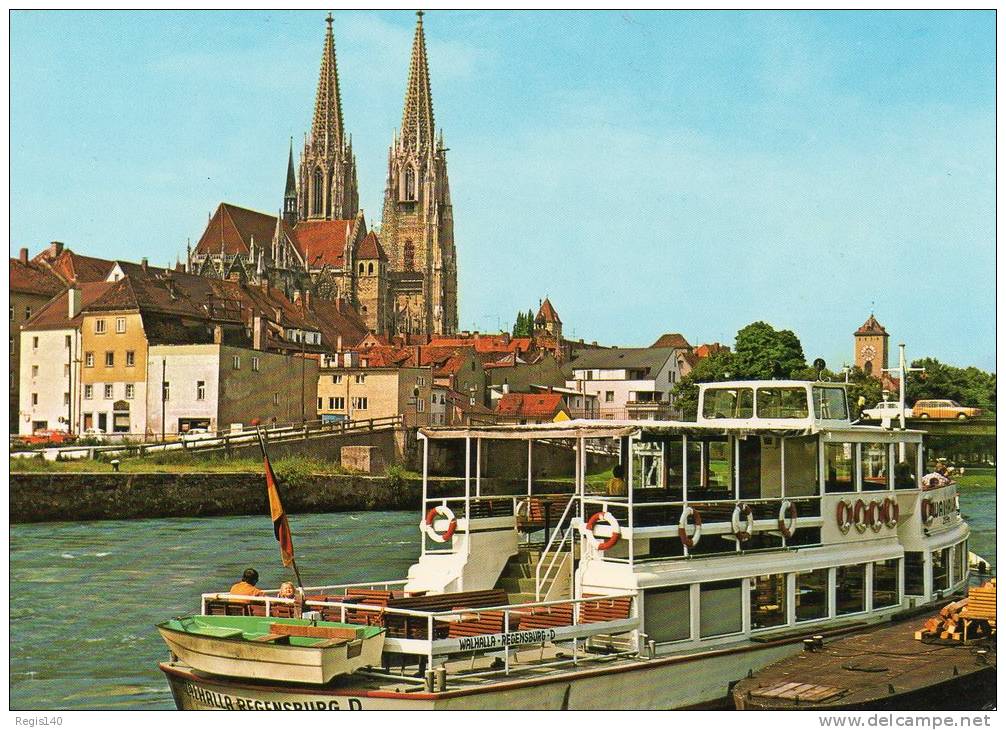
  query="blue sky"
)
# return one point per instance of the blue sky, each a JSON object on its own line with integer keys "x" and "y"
{"x": 649, "y": 171}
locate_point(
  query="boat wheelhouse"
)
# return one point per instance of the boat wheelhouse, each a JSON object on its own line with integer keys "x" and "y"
{"x": 770, "y": 518}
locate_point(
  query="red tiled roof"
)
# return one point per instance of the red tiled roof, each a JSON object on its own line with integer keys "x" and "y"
{"x": 713, "y": 348}
{"x": 232, "y": 228}
{"x": 32, "y": 278}
{"x": 322, "y": 243}
{"x": 55, "y": 314}
{"x": 672, "y": 339}
{"x": 370, "y": 248}
{"x": 530, "y": 405}
{"x": 547, "y": 313}
{"x": 871, "y": 327}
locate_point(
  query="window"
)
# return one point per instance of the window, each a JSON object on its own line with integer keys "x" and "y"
{"x": 66, "y": 342}
{"x": 255, "y": 364}
{"x": 99, "y": 326}
{"x": 88, "y": 392}
{"x": 768, "y": 601}
{"x": 66, "y": 370}
{"x": 420, "y": 405}
{"x": 331, "y": 403}
{"x": 885, "y": 583}
{"x": 914, "y": 574}
{"x": 960, "y": 561}
{"x": 130, "y": 391}
{"x": 340, "y": 403}
{"x": 66, "y": 399}
{"x": 812, "y": 595}
{"x": 941, "y": 569}
{"x": 409, "y": 256}
{"x": 361, "y": 267}
{"x": 200, "y": 390}
{"x": 109, "y": 393}
{"x": 166, "y": 390}
{"x": 609, "y": 396}
{"x": 728, "y": 403}
{"x": 360, "y": 404}
{"x": 236, "y": 362}
{"x": 321, "y": 403}
{"x": 782, "y": 403}
{"x": 830, "y": 404}
{"x": 318, "y": 192}
{"x": 34, "y": 343}
{"x": 720, "y": 608}
{"x": 905, "y": 476}
{"x": 12, "y": 344}
{"x": 420, "y": 380}
{"x": 850, "y": 589}
{"x": 27, "y": 312}
{"x": 109, "y": 359}
{"x": 370, "y": 268}
{"x": 275, "y": 399}
{"x": 410, "y": 184}
{"x": 336, "y": 379}
{"x": 839, "y": 468}
{"x": 34, "y": 371}
{"x": 800, "y": 466}
{"x": 361, "y": 378}
{"x": 668, "y": 613}
{"x": 34, "y": 399}
{"x": 130, "y": 358}
{"x": 120, "y": 324}
{"x": 874, "y": 462}
{"x": 88, "y": 359}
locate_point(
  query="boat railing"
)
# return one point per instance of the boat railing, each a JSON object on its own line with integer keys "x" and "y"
{"x": 552, "y": 551}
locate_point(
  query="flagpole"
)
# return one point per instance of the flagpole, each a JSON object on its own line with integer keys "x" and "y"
{"x": 293, "y": 559}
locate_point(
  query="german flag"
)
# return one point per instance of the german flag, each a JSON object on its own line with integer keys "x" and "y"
{"x": 280, "y": 525}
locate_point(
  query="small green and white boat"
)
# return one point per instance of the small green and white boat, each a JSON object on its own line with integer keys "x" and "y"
{"x": 278, "y": 649}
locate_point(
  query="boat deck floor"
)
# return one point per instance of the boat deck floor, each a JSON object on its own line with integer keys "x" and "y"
{"x": 881, "y": 667}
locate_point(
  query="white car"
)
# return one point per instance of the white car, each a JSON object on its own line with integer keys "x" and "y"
{"x": 93, "y": 433}
{"x": 198, "y": 434}
{"x": 887, "y": 410}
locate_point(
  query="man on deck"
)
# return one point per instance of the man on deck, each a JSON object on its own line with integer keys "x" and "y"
{"x": 246, "y": 586}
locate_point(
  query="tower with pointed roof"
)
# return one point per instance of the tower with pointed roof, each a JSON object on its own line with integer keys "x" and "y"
{"x": 870, "y": 349}
{"x": 290, "y": 192}
{"x": 417, "y": 226}
{"x": 327, "y": 189}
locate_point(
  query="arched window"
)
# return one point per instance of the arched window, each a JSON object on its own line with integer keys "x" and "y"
{"x": 318, "y": 192}
{"x": 409, "y": 256}
{"x": 868, "y": 367}
{"x": 410, "y": 183}
{"x": 370, "y": 268}
{"x": 361, "y": 268}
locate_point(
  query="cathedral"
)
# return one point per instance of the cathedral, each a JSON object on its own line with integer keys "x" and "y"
{"x": 401, "y": 282}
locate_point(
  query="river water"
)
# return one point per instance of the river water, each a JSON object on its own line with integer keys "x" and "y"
{"x": 85, "y": 596}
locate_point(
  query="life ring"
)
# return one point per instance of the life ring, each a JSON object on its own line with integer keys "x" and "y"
{"x": 742, "y": 534}
{"x": 616, "y": 530}
{"x": 859, "y": 515}
{"x": 787, "y": 510}
{"x": 441, "y": 510}
{"x": 928, "y": 513}
{"x": 873, "y": 516}
{"x": 890, "y": 511}
{"x": 693, "y": 540}
{"x": 523, "y": 506}
{"x": 843, "y": 516}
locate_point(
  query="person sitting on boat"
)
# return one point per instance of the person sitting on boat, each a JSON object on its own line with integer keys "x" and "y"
{"x": 939, "y": 477}
{"x": 616, "y": 485}
{"x": 246, "y": 586}
{"x": 286, "y": 590}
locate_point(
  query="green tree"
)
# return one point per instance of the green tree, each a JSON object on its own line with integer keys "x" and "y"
{"x": 519, "y": 326}
{"x": 968, "y": 386}
{"x": 763, "y": 352}
{"x": 715, "y": 368}
{"x": 530, "y": 323}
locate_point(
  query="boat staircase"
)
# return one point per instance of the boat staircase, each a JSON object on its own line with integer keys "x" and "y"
{"x": 543, "y": 569}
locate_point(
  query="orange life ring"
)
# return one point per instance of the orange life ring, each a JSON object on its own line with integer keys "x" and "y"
{"x": 742, "y": 534}
{"x": 444, "y": 511}
{"x": 859, "y": 515}
{"x": 890, "y": 511}
{"x": 690, "y": 541}
{"x": 616, "y": 530}
{"x": 787, "y": 508}
{"x": 928, "y": 513}
{"x": 843, "y": 516}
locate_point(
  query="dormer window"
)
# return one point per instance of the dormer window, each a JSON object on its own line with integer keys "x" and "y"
{"x": 370, "y": 268}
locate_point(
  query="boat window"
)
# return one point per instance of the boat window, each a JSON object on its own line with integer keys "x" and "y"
{"x": 720, "y": 608}
{"x": 646, "y": 465}
{"x": 812, "y": 595}
{"x": 693, "y": 465}
{"x": 905, "y": 476}
{"x": 668, "y": 613}
{"x": 885, "y": 583}
{"x": 750, "y": 468}
{"x": 801, "y": 466}
{"x": 728, "y": 403}
{"x": 850, "y": 589}
{"x": 674, "y": 465}
{"x": 874, "y": 460}
{"x": 782, "y": 403}
{"x": 768, "y": 601}
{"x": 941, "y": 569}
{"x": 830, "y": 404}
{"x": 914, "y": 574}
{"x": 717, "y": 472}
{"x": 840, "y": 468}
{"x": 960, "y": 561}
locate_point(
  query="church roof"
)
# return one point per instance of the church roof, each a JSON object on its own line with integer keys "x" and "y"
{"x": 232, "y": 228}
{"x": 672, "y": 339}
{"x": 871, "y": 327}
{"x": 547, "y": 313}
{"x": 322, "y": 243}
{"x": 370, "y": 248}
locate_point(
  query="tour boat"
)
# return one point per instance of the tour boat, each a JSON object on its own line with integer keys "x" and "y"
{"x": 770, "y": 519}
{"x": 277, "y": 649}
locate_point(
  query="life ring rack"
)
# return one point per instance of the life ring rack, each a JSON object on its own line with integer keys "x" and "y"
{"x": 690, "y": 541}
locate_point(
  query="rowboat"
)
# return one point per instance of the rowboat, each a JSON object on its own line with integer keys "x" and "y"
{"x": 276, "y": 649}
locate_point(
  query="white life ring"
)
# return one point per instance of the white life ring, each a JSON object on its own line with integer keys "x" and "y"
{"x": 616, "y": 530}
{"x": 692, "y": 540}
{"x": 859, "y": 515}
{"x": 743, "y": 534}
{"x": 426, "y": 525}
{"x": 843, "y": 516}
{"x": 787, "y": 518}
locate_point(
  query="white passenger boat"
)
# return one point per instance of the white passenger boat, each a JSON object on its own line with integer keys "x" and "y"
{"x": 770, "y": 519}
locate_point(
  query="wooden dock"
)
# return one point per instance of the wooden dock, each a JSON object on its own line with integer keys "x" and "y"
{"x": 880, "y": 668}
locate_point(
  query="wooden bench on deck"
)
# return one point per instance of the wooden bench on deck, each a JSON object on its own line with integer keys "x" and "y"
{"x": 415, "y": 627}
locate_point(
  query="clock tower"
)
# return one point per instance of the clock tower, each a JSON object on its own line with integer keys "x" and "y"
{"x": 870, "y": 352}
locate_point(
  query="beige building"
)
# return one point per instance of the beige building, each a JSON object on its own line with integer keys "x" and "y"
{"x": 871, "y": 347}
{"x": 354, "y": 393}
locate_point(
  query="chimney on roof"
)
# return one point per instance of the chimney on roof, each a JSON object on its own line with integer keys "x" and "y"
{"x": 296, "y": 296}
{"x": 143, "y": 264}
{"x": 278, "y": 312}
{"x": 73, "y": 299}
{"x": 55, "y": 248}
{"x": 218, "y": 334}
{"x": 23, "y": 255}
{"x": 307, "y": 299}
{"x": 338, "y": 343}
{"x": 258, "y": 332}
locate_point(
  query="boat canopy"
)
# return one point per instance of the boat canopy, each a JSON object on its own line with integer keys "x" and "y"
{"x": 597, "y": 429}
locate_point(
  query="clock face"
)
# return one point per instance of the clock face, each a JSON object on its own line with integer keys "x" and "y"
{"x": 868, "y": 352}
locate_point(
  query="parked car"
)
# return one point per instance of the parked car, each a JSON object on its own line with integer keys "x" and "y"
{"x": 47, "y": 437}
{"x": 95, "y": 434}
{"x": 198, "y": 434}
{"x": 944, "y": 409}
{"x": 884, "y": 410}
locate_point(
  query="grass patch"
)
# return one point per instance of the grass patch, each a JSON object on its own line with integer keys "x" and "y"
{"x": 977, "y": 480}
{"x": 291, "y": 469}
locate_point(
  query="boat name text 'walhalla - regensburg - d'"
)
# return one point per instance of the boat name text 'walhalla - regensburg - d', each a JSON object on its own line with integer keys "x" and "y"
{"x": 230, "y": 702}
{"x": 514, "y": 638}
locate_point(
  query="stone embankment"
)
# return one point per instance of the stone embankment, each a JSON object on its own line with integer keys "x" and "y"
{"x": 55, "y": 497}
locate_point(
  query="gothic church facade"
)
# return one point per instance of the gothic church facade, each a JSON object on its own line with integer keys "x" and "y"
{"x": 403, "y": 282}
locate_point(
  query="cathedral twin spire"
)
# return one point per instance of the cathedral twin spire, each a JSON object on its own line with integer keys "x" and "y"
{"x": 417, "y": 115}
{"x": 326, "y": 128}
